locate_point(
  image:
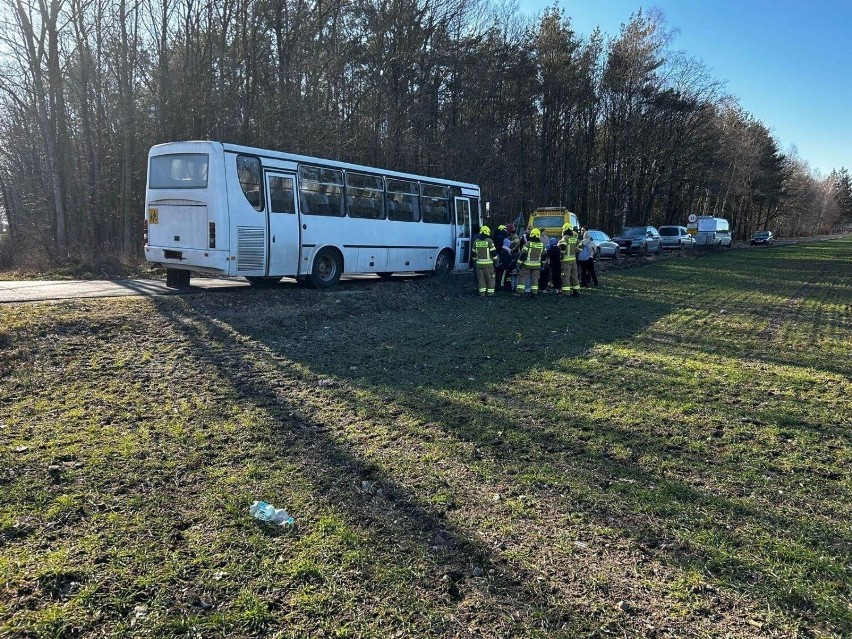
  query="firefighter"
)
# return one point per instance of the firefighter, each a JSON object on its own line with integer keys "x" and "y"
{"x": 530, "y": 265}
{"x": 568, "y": 250}
{"x": 484, "y": 254}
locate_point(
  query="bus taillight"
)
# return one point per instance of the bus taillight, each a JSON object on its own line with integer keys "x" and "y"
{"x": 145, "y": 231}
{"x": 212, "y": 235}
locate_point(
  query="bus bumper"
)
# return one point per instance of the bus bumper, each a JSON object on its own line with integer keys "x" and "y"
{"x": 202, "y": 261}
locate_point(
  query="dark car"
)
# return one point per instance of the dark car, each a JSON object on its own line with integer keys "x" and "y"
{"x": 639, "y": 240}
{"x": 764, "y": 238}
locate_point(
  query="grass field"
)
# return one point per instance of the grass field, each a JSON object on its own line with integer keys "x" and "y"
{"x": 667, "y": 456}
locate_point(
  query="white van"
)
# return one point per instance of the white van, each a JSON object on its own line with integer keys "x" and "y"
{"x": 713, "y": 231}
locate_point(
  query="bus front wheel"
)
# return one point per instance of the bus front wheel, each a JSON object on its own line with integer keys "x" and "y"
{"x": 328, "y": 267}
{"x": 444, "y": 264}
{"x": 177, "y": 278}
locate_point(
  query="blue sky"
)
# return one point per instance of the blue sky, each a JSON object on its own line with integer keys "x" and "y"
{"x": 789, "y": 62}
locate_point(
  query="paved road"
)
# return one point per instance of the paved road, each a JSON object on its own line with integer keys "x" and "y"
{"x": 23, "y": 291}
{"x": 16, "y": 292}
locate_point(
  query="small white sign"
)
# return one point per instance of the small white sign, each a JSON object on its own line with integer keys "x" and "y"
{"x": 693, "y": 218}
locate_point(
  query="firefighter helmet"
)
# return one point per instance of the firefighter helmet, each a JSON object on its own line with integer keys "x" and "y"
{"x": 485, "y": 230}
{"x": 566, "y": 227}
{"x": 535, "y": 234}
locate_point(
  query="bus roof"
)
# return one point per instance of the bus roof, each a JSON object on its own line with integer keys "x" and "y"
{"x": 306, "y": 159}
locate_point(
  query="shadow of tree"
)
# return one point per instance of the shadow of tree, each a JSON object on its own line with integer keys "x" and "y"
{"x": 408, "y": 370}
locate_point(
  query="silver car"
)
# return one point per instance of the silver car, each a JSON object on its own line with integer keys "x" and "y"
{"x": 605, "y": 246}
{"x": 675, "y": 237}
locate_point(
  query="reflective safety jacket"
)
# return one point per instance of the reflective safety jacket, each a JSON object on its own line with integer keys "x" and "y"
{"x": 484, "y": 251}
{"x": 535, "y": 249}
{"x": 568, "y": 247}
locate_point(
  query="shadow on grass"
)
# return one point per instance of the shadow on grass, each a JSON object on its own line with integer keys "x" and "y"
{"x": 416, "y": 362}
{"x": 258, "y": 367}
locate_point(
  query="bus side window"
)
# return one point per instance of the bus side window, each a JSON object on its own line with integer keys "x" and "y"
{"x": 321, "y": 189}
{"x": 248, "y": 170}
{"x": 435, "y": 203}
{"x": 402, "y": 201}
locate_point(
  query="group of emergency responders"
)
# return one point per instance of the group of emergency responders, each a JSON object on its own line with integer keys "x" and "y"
{"x": 531, "y": 252}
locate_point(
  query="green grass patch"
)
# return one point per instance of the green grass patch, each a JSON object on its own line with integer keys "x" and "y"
{"x": 668, "y": 455}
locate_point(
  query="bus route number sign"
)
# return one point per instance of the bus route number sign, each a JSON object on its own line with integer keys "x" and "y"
{"x": 153, "y": 216}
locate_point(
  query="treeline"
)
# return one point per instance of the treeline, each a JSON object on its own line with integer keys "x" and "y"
{"x": 621, "y": 129}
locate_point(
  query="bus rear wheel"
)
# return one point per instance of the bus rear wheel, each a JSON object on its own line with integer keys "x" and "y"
{"x": 328, "y": 267}
{"x": 177, "y": 278}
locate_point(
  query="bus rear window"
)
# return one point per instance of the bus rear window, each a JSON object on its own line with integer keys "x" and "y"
{"x": 179, "y": 171}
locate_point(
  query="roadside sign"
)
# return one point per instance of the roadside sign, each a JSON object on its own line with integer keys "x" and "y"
{"x": 693, "y": 218}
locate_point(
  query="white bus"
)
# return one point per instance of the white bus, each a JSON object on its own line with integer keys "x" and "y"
{"x": 238, "y": 211}
{"x": 712, "y": 231}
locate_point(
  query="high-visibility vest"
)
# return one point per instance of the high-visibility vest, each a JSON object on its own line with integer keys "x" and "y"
{"x": 568, "y": 247}
{"x": 534, "y": 251}
{"x": 485, "y": 251}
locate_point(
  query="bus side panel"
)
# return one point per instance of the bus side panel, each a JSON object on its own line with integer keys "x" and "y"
{"x": 436, "y": 238}
{"x": 405, "y": 260}
{"x": 248, "y": 233}
{"x": 372, "y": 260}
{"x": 415, "y": 245}
{"x": 368, "y": 240}
{"x": 319, "y": 231}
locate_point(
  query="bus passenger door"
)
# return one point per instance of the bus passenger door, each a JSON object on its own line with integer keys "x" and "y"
{"x": 283, "y": 223}
{"x": 462, "y": 231}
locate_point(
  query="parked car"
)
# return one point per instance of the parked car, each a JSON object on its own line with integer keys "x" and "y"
{"x": 639, "y": 240}
{"x": 675, "y": 237}
{"x": 764, "y": 238}
{"x": 605, "y": 246}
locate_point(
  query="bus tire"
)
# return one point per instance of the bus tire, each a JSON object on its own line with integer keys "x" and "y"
{"x": 444, "y": 264}
{"x": 260, "y": 282}
{"x": 177, "y": 278}
{"x": 328, "y": 267}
